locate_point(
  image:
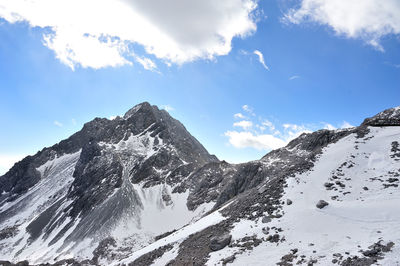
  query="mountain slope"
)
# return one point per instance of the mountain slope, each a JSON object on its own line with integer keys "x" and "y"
{"x": 116, "y": 191}
{"x": 112, "y": 176}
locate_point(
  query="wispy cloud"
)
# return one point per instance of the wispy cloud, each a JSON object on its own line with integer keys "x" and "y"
{"x": 343, "y": 125}
{"x": 147, "y": 63}
{"x": 261, "y": 59}
{"x": 294, "y": 77}
{"x": 392, "y": 65}
{"x": 239, "y": 115}
{"x": 57, "y": 123}
{"x": 248, "y": 109}
{"x": 346, "y": 125}
{"x": 168, "y": 108}
{"x": 368, "y": 20}
{"x": 243, "y": 124}
{"x": 329, "y": 126}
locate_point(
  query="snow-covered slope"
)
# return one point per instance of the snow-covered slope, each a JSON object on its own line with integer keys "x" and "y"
{"x": 140, "y": 190}
{"x": 358, "y": 178}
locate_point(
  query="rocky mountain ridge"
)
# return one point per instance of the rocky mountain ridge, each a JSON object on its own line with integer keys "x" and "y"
{"x": 141, "y": 190}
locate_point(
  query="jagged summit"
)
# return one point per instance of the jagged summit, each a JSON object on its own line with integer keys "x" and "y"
{"x": 389, "y": 117}
{"x": 144, "y": 106}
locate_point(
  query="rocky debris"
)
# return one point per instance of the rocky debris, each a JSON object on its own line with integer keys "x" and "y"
{"x": 321, "y": 204}
{"x": 102, "y": 249}
{"x": 195, "y": 249}
{"x": 265, "y": 230}
{"x": 149, "y": 258}
{"x": 340, "y": 184}
{"x": 247, "y": 243}
{"x": 287, "y": 260}
{"x": 273, "y": 238}
{"x": 372, "y": 255}
{"x": 8, "y": 232}
{"x": 377, "y": 249}
{"x": 395, "y": 150}
{"x": 357, "y": 261}
{"x": 229, "y": 259}
{"x": 289, "y": 201}
{"x": 219, "y": 242}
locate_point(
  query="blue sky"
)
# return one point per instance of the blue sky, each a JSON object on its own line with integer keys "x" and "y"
{"x": 320, "y": 71}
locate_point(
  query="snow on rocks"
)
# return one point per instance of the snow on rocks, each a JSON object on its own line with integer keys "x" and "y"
{"x": 353, "y": 222}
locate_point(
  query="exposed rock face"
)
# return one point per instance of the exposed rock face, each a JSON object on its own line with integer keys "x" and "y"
{"x": 118, "y": 185}
{"x": 389, "y": 117}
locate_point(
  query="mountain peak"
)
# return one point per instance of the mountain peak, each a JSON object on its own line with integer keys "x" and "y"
{"x": 388, "y": 117}
{"x": 145, "y": 106}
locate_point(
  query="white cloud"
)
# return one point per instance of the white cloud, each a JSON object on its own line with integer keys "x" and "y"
{"x": 8, "y": 160}
{"x": 239, "y": 115}
{"x": 261, "y": 59}
{"x": 243, "y": 124}
{"x": 59, "y": 124}
{"x": 248, "y": 109}
{"x": 73, "y": 121}
{"x": 147, "y": 63}
{"x": 262, "y": 135}
{"x": 346, "y": 125}
{"x": 103, "y": 33}
{"x": 268, "y": 124}
{"x": 294, "y": 77}
{"x": 369, "y": 20}
{"x": 329, "y": 126}
{"x": 259, "y": 142}
{"x": 168, "y": 108}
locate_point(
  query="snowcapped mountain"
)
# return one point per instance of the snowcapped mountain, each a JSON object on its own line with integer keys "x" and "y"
{"x": 140, "y": 190}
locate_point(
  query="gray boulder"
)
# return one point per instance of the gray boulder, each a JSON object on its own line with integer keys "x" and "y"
{"x": 322, "y": 204}
{"x": 219, "y": 242}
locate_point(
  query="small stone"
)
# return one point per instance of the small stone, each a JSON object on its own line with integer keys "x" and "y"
{"x": 322, "y": 204}
{"x": 265, "y": 220}
{"x": 289, "y": 202}
{"x": 365, "y": 188}
{"x": 228, "y": 260}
